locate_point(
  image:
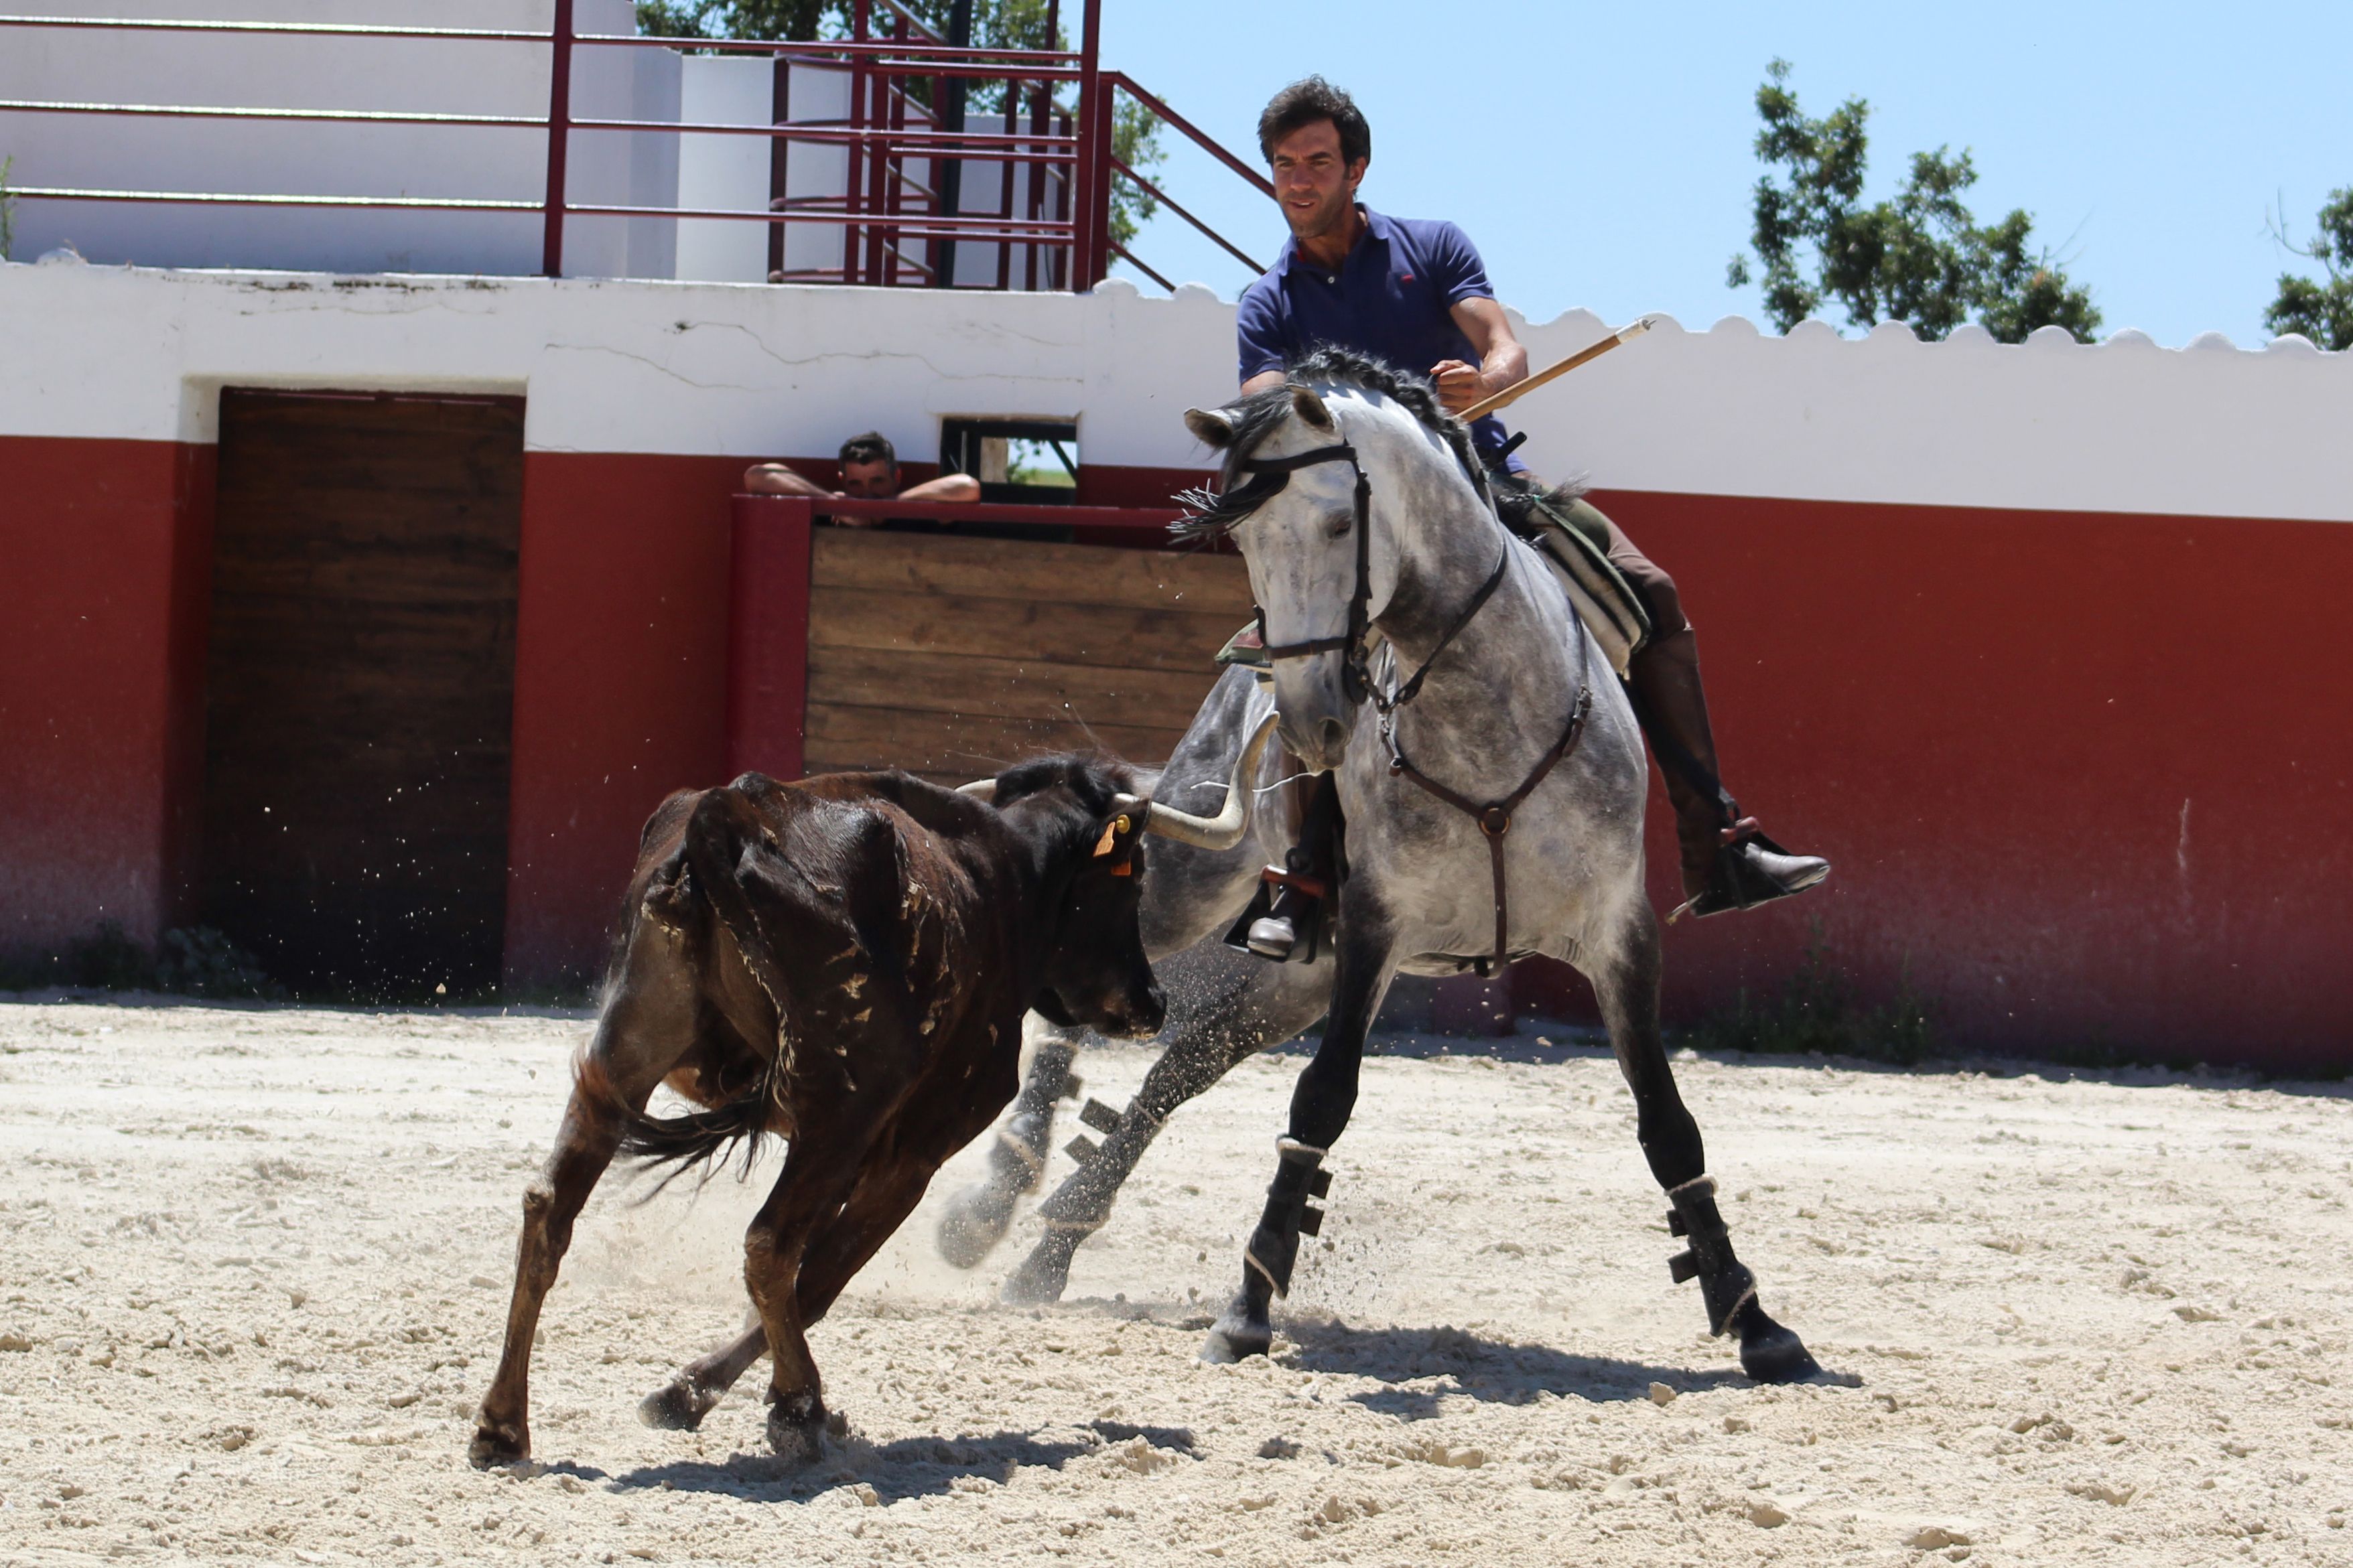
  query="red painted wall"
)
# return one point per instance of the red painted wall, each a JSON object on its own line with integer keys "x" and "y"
{"x": 621, "y": 684}
{"x": 2082, "y": 776}
{"x": 105, "y": 577}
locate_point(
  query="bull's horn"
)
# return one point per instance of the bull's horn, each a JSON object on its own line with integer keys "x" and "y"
{"x": 979, "y": 789}
{"x": 1224, "y": 830}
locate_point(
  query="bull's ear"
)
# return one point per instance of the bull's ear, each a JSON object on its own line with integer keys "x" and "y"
{"x": 1118, "y": 841}
{"x": 1310, "y": 407}
{"x": 1213, "y": 428}
{"x": 1117, "y": 829}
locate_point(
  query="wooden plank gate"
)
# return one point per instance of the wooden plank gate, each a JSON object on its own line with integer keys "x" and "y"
{"x": 952, "y": 655}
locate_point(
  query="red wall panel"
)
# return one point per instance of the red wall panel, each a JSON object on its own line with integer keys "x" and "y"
{"x": 621, "y": 684}
{"x": 2081, "y": 774}
{"x": 107, "y": 552}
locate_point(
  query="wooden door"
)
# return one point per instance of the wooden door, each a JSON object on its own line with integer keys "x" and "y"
{"x": 950, "y": 658}
{"x": 360, "y": 688}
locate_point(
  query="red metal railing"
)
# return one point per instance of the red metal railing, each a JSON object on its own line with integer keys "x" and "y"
{"x": 1057, "y": 169}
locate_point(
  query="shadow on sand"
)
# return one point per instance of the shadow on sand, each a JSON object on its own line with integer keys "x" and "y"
{"x": 1421, "y": 1367}
{"x": 911, "y": 1466}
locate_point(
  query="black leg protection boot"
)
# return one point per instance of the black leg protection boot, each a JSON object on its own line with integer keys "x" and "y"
{"x": 1769, "y": 1352}
{"x": 1727, "y": 861}
{"x": 977, "y": 1216}
{"x": 1077, "y": 1209}
{"x": 1273, "y": 1249}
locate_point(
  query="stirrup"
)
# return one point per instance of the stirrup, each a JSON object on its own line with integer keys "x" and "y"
{"x": 1291, "y": 936}
{"x": 1751, "y": 869}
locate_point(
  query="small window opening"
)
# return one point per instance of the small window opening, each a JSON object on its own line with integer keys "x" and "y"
{"x": 1031, "y": 462}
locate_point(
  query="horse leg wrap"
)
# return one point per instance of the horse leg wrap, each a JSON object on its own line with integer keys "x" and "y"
{"x": 1083, "y": 1200}
{"x": 1100, "y": 1117}
{"x": 1725, "y": 1285}
{"x": 1273, "y": 1248}
{"x": 1019, "y": 1156}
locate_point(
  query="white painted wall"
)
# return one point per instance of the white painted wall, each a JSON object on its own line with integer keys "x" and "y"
{"x": 819, "y": 97}
{"x": 724, "y": 174}
{"x": 756, "y": 370}
{"x": 314, "y": 159}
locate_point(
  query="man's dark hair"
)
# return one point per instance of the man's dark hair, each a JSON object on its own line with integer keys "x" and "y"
{"x": 872, "y": 447}
{"x": 1303, "y": 103}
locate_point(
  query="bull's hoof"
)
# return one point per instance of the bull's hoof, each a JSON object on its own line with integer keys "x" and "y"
{"x": 975, "y": 1221}
{"x": 1045, "y": 1274}
{"x": 1243, "y": 1332}
{"x": 677, "y": 1406}
{"x": 797, "y": 1429}
{"x": 1771, "y": 1354}
{"x": 498, "y": 1443}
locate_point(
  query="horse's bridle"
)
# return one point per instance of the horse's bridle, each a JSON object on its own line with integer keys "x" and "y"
{"x": 1269, "y": 476}
{"x": 1357, "y": 678}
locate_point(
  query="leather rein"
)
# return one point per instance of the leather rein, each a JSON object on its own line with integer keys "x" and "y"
{"x": 1270, "y": 475}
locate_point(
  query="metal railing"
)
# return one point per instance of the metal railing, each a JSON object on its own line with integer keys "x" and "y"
{"x": 1054, "y": 204}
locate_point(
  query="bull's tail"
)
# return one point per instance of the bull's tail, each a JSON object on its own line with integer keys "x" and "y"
{"x": 698, "y": 1138}
{"x": 710, "y": 854}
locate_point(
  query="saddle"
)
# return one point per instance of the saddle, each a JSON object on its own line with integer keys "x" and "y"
{"x": 1577, "y": 553}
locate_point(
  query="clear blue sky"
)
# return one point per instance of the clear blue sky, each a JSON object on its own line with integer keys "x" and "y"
{"x": 1600, "y": 156}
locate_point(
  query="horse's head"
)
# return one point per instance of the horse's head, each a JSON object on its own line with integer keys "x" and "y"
{"x": 1331, "y": 485}
{"x": 1302, "y": 537}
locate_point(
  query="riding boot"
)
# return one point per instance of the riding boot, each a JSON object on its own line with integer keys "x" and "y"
{"x": 1727, "y": 863}
{"x": 1769, "y": 1352}
{"x": 1272, "y": 1252}
{"x": 1283, "y": 921}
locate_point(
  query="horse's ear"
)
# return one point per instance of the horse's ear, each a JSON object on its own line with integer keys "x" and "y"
{"x": 1213, "y": 428}
{"x": 1310, "y": 407}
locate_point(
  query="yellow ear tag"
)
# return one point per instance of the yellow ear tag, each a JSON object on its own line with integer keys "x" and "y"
{"x": 1112, "y": 830}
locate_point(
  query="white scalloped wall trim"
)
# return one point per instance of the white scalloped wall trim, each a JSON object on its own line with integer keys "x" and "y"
{"x": 2122, "y": 426}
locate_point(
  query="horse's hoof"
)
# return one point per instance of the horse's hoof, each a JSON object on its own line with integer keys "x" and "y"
{"x": 974, "y": 1222}
{"x": 498, "y": 1443}
{"x": 799, "y": 1437}
{"x": 677, "y": 1406}
{"x": 1771, "y": 1354}
{"x": 1237, "y": 1336}
{"x": 1044, "y": 1274}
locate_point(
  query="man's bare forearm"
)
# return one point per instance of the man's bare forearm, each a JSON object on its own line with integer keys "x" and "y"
{"x": 1505, "y": 365}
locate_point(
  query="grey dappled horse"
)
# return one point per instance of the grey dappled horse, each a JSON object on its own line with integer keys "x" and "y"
{"x": 1374, "y": 553}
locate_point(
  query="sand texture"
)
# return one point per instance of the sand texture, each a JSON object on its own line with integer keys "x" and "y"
{"x": 253, "y": 1265}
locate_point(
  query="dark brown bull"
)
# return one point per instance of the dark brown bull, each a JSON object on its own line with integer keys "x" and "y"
{"x": 846, "y": 962}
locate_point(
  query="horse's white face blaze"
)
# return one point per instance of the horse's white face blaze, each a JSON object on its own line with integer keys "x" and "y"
{"x": 1301, "y": 551}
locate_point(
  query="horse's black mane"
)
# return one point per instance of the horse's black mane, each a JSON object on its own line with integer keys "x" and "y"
{"x": 1213, "y": 512}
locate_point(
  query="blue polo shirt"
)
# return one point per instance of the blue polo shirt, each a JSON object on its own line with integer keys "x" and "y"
{"x": 1391, "y": 299}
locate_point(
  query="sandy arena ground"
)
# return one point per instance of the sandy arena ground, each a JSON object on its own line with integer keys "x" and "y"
{"x": 253, "y": 1265}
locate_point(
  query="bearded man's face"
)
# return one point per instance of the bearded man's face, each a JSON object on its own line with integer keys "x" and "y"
{"x": 1314, "y": 184}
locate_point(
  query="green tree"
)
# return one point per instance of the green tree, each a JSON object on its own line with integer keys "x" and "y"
{"x": 2322, "y": 311}
{"x": 7, "y": 209}
{"x": 996, "y": 24}
{"x": 1919, "y": 258}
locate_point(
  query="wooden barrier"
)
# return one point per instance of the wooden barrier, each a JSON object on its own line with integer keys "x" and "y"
{"x": 952, "y": 656}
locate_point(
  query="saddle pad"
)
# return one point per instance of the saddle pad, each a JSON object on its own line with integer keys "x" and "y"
{"x": 1245, "y": 647}
{"x": 1597, "y": 590}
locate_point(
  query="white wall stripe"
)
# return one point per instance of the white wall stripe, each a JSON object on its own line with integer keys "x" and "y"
{"x": 754, "y": 371}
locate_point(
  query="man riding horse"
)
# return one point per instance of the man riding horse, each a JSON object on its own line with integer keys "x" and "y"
{"x": 1414, "y": 293}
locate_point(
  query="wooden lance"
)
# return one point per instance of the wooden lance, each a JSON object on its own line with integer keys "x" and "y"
{"x": 1585, "y": 355}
